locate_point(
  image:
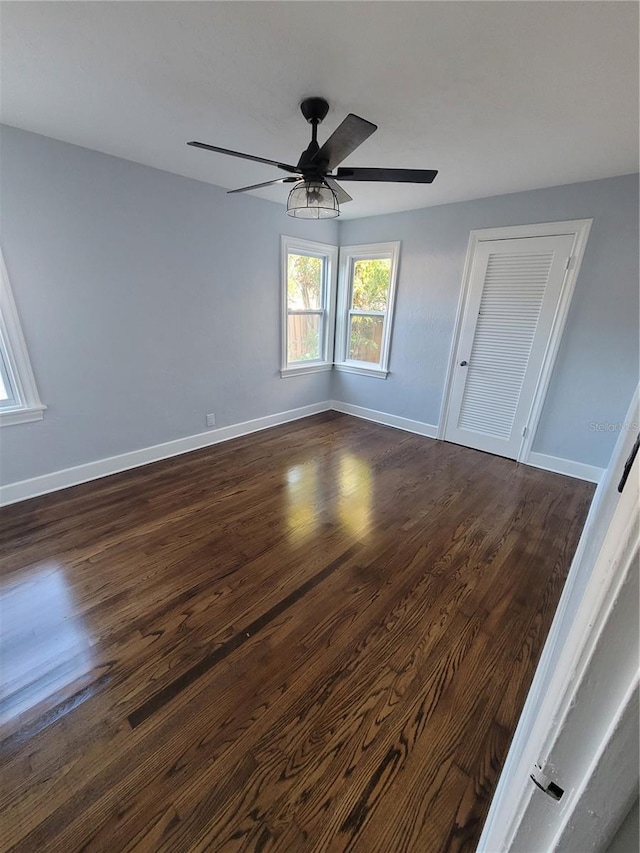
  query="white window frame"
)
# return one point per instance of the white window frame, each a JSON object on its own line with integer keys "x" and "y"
{"x": 24, "y": 404}
{"x": 329, "y": 253}
{"x": 348, "y": 256}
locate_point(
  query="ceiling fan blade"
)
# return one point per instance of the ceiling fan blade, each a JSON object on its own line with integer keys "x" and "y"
{"x": 267, "y": 184}
{"x": 345, "y": 138}
{"x": 285, "y": 166}
{"x": 342, "y": 195}
{"x": 411, "y": 176}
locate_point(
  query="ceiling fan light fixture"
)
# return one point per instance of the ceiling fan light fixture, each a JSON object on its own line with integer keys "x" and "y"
{"x": 313, "y": 200}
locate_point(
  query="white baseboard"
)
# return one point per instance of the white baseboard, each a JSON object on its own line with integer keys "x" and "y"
{"x": 386, "y": 419}
{"x": 565, "y": 466}
{"x": 25, "y": 489}
{"x": 538, "y": 460}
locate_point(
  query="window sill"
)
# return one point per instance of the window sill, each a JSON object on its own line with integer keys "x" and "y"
{"x": 287, "y": 372}
{"x": 376, "y": 372}
{"x": 22, "y": 416}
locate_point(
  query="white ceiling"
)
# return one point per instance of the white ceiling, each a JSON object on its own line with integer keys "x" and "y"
{"x": 499, "y": 96}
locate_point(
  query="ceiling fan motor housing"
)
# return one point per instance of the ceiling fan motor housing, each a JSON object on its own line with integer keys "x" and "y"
{"x": 314, "y": 109}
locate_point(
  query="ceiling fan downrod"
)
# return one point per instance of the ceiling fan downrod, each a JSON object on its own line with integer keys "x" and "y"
{"x": 314, "y": 110}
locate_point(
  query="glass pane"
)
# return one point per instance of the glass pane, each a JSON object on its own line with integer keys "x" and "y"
{"x": 365, "y": 338}
{"x": 304, "y": 283}
{"x": 6, "y": 391}
{"x": 303, "y": 340}
{"x": 371, "y": 284}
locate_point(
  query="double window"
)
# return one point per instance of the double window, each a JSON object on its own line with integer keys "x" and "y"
{"x": 308, "y": 272}
{"x": 366, "y": 291}
{"x": 19, "y": 400}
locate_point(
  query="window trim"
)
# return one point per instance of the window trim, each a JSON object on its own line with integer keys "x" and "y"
{"x": 348, "y": 256}
{"x": 27, "y": 405}
{"x": 319, "y": 250}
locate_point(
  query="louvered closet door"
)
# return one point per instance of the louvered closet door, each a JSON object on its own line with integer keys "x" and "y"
{"x": 515, "y": 287}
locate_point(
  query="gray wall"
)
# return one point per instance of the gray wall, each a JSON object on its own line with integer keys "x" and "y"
{"x": 597, "y": 367}
{"x": 146, "y": 300}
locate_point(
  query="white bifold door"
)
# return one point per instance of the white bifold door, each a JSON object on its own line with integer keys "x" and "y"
{"x": 514, "y": 291}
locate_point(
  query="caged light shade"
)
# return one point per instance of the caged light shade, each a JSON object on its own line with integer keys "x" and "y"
{"x": 313, "y": 200}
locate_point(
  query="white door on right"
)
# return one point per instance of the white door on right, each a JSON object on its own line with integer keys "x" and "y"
{"x": 514, "y": 292}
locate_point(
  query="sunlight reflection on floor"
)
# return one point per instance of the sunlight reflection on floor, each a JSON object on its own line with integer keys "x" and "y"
{"x": 350, "y": 501}
{"x": 43, "y": 644}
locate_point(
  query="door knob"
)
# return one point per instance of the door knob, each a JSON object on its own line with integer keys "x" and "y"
{"x": 463, "y": 363}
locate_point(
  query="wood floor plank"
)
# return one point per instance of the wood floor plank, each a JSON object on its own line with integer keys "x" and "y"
{"x": 315, "y": 638}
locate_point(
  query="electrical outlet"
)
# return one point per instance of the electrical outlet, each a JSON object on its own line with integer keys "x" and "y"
{"x": 211, "y": 420}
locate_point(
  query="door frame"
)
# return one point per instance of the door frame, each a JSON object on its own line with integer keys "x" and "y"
{"x": 606, "y": 549}
{"x": 579, "y": 229}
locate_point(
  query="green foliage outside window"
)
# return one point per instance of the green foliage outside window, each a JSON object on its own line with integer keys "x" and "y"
{"x": 304, "y": 293}
{"x": 370, "y": 291}
{"x": 371, "y": 284}
{"x": 304, "y": 282}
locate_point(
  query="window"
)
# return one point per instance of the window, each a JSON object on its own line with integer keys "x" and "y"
{"x": 308, "y": 287}
{"x": 365, "y": 314}
{"x": 19, "y": 400}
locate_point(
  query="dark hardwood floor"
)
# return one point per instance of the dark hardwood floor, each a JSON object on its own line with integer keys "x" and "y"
{"x": 316, "y": 638}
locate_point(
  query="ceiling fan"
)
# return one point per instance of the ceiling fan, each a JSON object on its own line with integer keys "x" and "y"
{"x": 316, "y": 194}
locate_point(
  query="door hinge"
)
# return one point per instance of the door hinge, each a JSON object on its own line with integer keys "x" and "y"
{"x": 569, "y": 263}
{"x": 524, "y": 431}
{"x": 539, "y": 778}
